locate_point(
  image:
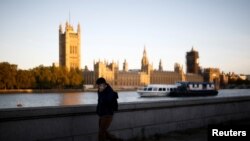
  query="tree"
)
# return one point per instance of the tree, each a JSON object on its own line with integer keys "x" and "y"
{"x": 43, "y": 77}
{"x": 75, "y": 78}
{"x": 40, "y": 77}
{"x": 7, "y": 75}
{"x": 25, "y": 79}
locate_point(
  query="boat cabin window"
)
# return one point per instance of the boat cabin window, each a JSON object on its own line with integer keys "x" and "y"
{"x": 150, "y": 89}
{"x": 162, "y": 89}
{"x": 168, "y": 89}
{"x": 195, "y": 85}
{"x": 155, "y": 89}
{"x": 145, "y": 88}
{"x": 204, "y": 85}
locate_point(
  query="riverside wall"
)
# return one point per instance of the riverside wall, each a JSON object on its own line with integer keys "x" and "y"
{"x": 134, "y": 120}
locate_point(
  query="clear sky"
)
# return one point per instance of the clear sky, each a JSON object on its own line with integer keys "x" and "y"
{"x": 119, "y": 29}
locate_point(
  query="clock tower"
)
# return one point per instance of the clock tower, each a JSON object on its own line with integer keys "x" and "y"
{"x": 192, "y": 58}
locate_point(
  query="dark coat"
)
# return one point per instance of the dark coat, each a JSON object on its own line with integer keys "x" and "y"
{"x": 105, "y": 101}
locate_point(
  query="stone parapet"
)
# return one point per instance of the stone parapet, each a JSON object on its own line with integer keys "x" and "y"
{"x": 133, "y": 120}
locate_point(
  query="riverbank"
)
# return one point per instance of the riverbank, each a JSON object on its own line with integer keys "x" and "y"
{"x": 13, "y": 91}
{"x": 232, "y": 86}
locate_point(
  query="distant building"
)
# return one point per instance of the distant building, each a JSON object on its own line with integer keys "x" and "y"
{"x": 145, "y": 66}
{"x": 212, "y": 75}
{"x": 107, "y": 70}
{"x": 55, "y": 64}
{"x": 242, "y": 77}
{"x": 223, "y": 80}
{"x": 125, "y": 66}
{"x": 70, "y": 57}
{"x": 248, "y": 77}
{"x": 69, "y": 47}
{"x": 134, "y": 78}
{"x": 232, "y": 76}
{"x": 160, "y": 66}
{"x": 192, "y": 63}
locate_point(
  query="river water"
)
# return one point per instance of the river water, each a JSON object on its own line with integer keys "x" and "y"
{"x": 83, "y": 98}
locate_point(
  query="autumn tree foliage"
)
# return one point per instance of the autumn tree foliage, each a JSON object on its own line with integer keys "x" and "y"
{"x": 40, "y": 77}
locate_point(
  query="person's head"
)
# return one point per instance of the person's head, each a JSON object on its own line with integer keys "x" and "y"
{"x": 101, "y": 84}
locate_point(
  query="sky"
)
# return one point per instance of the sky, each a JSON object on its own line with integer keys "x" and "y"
{"x": 120, "y": 29}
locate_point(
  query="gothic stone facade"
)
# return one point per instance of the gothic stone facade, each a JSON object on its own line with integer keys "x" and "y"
{"x": 134, "y": 78}
{"x": 69, "y": 47}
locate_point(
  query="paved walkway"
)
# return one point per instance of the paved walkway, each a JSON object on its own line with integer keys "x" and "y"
{"x": 198, "y": 134}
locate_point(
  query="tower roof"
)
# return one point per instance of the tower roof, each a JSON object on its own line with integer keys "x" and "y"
{"x": 78, "y": 27}
{"x": 68, "y": 27}
{"x": 145, "y": 58}
{"x": 144, "y": 51}
{"x": 60, "y": 28}
{"x": 193, "y": 49}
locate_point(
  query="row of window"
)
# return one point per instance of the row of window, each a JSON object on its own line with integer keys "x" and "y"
{"x": 157, "y": 89}
{"x": 132, "y": 83}
{"x": 73, "y": 36}
{"x": 73, "y": 49}
{"x": 164, "y": 80}
{"x": 73, "y": 65}
{"x": 199, "y": 85}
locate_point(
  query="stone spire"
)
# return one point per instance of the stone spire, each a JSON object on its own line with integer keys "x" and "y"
{"x": 60, "y": 28}
{"x": 160, "y": 66}
{"x": 78, "y": 28}
{"x": 125, "y": 66}
{"x": 144, "y": 58}
{"x": 144, "y": 52}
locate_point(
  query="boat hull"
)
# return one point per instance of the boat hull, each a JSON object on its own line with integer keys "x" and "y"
{"x": 152, "y": 94}
{"x": 194, "y": 93}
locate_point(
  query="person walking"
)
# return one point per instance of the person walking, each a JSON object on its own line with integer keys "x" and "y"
{"x": 107, "y": 104}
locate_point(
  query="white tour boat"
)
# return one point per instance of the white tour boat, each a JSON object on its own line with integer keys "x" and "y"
{"x": 156, "y": 90}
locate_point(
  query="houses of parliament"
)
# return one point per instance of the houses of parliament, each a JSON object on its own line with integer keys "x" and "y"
{"x": 69, "y": 57}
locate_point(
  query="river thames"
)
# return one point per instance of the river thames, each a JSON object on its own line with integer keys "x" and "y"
{"x": 83, "y": 98}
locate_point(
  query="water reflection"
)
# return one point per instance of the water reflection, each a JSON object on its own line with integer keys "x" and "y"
{"x": 78, "y": 98}
{"x": 71, "y": 99}
{"x": 81, "y": 98}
